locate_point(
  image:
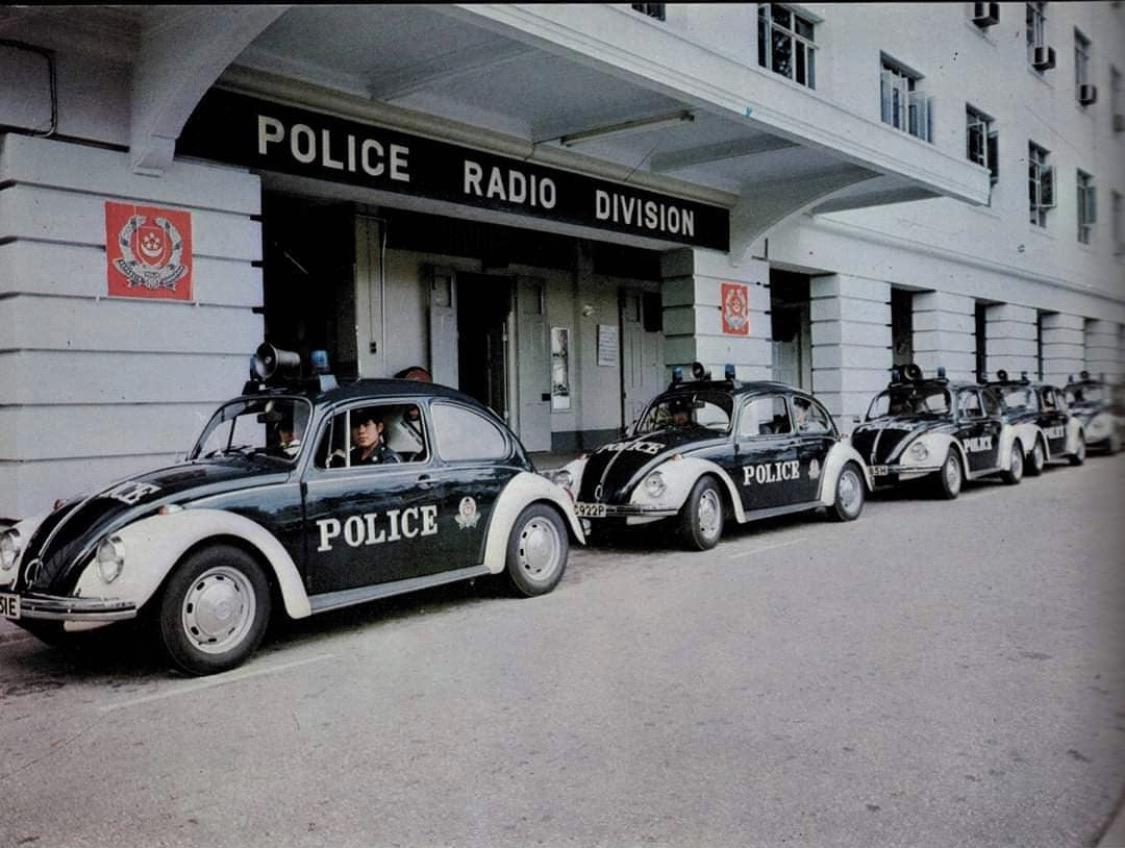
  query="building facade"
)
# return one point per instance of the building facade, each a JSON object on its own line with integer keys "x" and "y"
{"x": 548, "y": 206}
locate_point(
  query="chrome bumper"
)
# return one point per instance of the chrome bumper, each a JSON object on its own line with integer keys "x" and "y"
{"x": 58, "y": 608}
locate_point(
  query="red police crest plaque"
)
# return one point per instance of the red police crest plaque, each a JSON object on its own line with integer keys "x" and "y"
{"x": 148, "y": 251}
{"x": 736, "y": 309}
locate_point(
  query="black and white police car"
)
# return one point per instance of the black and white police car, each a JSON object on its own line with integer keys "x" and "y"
{"x": 1100, "y": 408}
{"x": 1038, "y": 413}
{"x": 918, "y": 427}
{"x": 708, "y": 449}
{"x": 292, "y": 497}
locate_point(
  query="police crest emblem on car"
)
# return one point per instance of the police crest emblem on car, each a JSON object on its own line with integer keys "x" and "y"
{"x": 467, "y": 514}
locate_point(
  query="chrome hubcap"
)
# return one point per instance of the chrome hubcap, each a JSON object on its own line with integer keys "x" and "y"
{"x": 539, "y": 549}
{"x": 952, "y": 474}
{"x": 848, "y": 492}
{"x": 709, "y": 513}
{"x": 218, "y": 610}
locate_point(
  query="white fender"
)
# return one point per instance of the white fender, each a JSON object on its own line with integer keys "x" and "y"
{"x": 26, "y": 529}
{"x": 576, "y": 468}
{"x": 155, "y": 544}
{"x": 1028, "y": 433}
{"x": 1008, "y": 436}
{"x": 938, "y": 446}
{"x": 1074, "y": 435}
{"x": 523, "y": 489}
{"x": 680, "y": 476}
{"x": 1101, "y": 427}
{"x": 840, "y": 455}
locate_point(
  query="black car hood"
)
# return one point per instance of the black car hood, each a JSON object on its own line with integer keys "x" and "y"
{"x": 883, "y": 440}
{"x": 619, "y": 466}
{"x": 68, "y": 534}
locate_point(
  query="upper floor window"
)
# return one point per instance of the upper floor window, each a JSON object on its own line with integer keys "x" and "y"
{"x": 981, "y": 141}
{"x": 1118, "y": 228}
{"x": 1087, "y": 207}
{"x": 785, "y": 43}
{"x": 1115, "y": 100}
{"x": 1036, "y": 28}
{"x": 905, "y": 105}
{"x": 1040, "y": 183}
{"x": 1081, "y": 58}
{"x": 653, "y": 10}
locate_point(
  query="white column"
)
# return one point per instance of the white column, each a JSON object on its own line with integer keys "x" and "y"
{"x": 851, "y": 342}
{"x": 1063, "y": 347}
{"x": 693, "y": 329}
{"x": 1102, "y": 354}
{"x": 944, "y": 334}
{"x": 96, "y": 388}
{"x": 1012, "y": 333}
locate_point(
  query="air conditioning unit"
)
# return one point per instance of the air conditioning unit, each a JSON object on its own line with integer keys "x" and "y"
{"x": 1119, "y": 123}
{"x": 986, "y": 14}
{"x": 1087, "y": 94}
{"x": 1043, "y": 59}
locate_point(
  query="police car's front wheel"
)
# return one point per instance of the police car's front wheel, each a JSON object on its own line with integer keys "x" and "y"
{"x": 1014, "y": 472}
{"x": 1038, "y": 459}
{"x": 537, "y": 551}
{"x": 214, "y": 610}
{"x": 949, "y": 479}
{"x": 849, "y": 494}
{"x": 701, "y": 517}
{"x": 1079, "y": 455}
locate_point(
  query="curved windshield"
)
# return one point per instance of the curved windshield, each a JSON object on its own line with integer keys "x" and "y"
{"x": 910, "y": 400}
{"x": 1085, "y": 394}
{"x": 264, "y": 426}
{"x": 1020, "y": 399}
{"x": 709, "y": 410}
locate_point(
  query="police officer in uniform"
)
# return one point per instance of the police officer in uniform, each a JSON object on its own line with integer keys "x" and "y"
{"x": 368, "y": 447}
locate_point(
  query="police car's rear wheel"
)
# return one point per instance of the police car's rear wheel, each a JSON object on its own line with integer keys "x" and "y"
{"x": 1015, "y": 466}
{"x": 1079, "y": 455}
{"x": 849, "y": 494}
{"x": 949, "y": 479}
{"x": 701, "y": 517}
{"x": 214, "y": 610}
{"x": 537, "y": 551}
{"x": 1038, "y": 459}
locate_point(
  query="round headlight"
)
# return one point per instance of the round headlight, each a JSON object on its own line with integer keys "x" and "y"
{"x": 654, "y": 485}
{"x": 111, "y": 558}
{"x": 919, "y": 451}
{"x": 9, "y": 548}
{"x": 564, "y": 478}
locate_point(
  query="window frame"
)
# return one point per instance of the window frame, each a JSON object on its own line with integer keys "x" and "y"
{"x": 656, "y": 11}
{"x": 505, "y": 435}
{"x": 1036, "y": 24}
{"x": 346, "y": 409}
{"x": 989, "y": 156}
{"x": 1117, "y": 211}
{"x": 1087, "y": 211}
{"x": 744, "y": 410}
{"x": 799, "y": 44}
{"x": 1040, "y": 175}
{"x": 903, "y": 102}
{"x": 1082, "y": 50}
{"x": 813, "y": 404}
{"x": 961, "y": 414}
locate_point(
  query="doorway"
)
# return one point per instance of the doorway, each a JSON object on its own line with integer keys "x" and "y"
{"x": 789, "y": 327}
{"x": 483, "y": 306}
{"x": 902, "y": 326}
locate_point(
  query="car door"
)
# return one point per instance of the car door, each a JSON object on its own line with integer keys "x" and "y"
{"x": 978, "y": 434}
{"x": 1052, "y": 418}
{"x": 815, "y": 437}
{"x": 766, "y": 453}
{"x": 475, "y": 461}
{"x": 370, "y": 523}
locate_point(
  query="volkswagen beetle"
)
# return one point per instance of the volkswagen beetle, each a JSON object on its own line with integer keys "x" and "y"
{"x": 708, "y": 450}
{"x": 949, "y": 432}
{"x": 299, "y": 496}
{"x": 1045, "y": 428}
{"x": 1100, "y": 408}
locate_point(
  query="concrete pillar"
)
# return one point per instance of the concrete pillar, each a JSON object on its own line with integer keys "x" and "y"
{"x": 851, "y": 342}
{"x": 1012, "y": 333}
{"x": 1102, "y": 355}
{"x": 693, "y": 328}
{"x": 944, "y": 326}
{"x": 1063, "y": 347}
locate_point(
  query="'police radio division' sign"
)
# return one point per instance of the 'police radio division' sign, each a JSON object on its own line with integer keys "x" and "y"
{"x": 270, "y": 136}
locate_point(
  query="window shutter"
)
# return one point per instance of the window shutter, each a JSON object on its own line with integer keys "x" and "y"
{"x": 1047, "y": 188}
{"x": 994, "y": 155}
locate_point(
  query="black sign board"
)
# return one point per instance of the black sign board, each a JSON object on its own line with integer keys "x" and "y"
{"x": 268, "y": 136}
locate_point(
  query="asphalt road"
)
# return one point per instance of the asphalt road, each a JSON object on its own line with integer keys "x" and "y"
{"x": 933, "y": 674}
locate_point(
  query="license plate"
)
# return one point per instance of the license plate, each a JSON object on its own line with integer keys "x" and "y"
{"x": 9, "y": 606}
{"x": 589, "y": 510}
{"x": 879, "y": 471}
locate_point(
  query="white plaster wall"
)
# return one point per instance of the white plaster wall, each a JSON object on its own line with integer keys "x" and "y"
{"x": 93, "y": 387}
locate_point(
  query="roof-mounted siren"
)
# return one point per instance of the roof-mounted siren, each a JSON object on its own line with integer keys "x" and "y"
{"x": 1024, "y": 378}
{"x": 318, "y": 361}
{"x": 941, "y": 372}
{"x": 896, "y": 374}
{"x": 698, "y": 372}
{"x": 911, "y": 372}
{"x": 1070, "y": 378}
{"x": 729, "y": 372}
{"x": 1002, "y": 375}
{"x": 677, "y": 375}
{"x": 1084, "y": 375}
{"x": 268, "y": 360}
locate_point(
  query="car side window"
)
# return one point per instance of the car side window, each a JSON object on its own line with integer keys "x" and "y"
{"x": 1048, "y": 399}
{"x": 373, "y": 434}
{"x": 461, "y": 433}
{"x": 991, "y": 404}
{"x": 810, "y": 417}
{"x": 764, "y": 416}
{"x": 968, "y": 404}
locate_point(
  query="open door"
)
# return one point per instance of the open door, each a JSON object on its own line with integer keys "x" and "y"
{"x": 642, "y": 352}
{"x": 443, "y": 326}
{"x": 533, "y": 364}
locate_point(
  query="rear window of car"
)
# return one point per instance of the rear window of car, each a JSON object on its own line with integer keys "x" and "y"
{"x": 463, "y": 434}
